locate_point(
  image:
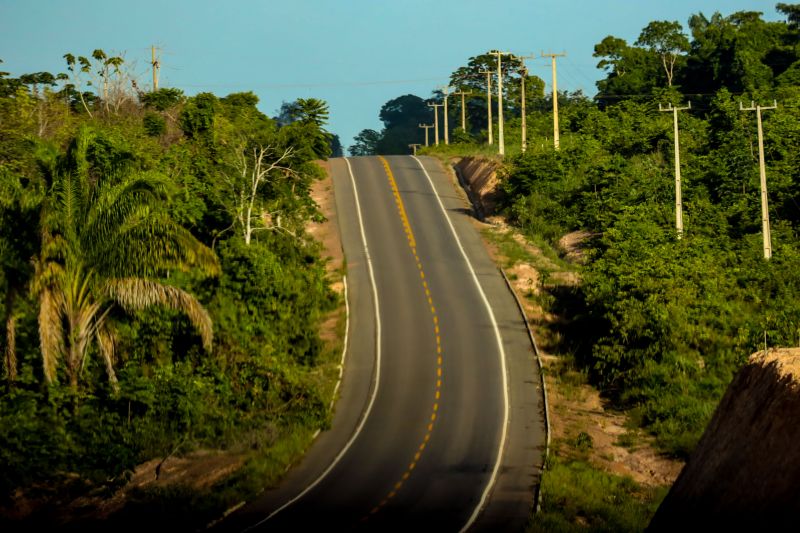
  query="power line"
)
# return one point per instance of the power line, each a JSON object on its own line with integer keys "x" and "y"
{"x": 311, "y": 85}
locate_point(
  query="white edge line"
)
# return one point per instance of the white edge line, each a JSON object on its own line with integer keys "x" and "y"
{"x": 344, "y": 349}
{"x": 501, "y": 351}
{"x": 377, "y": 364}
{"x": 344, "y": 353}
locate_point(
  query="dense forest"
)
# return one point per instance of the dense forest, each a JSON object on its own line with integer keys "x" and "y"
{"x": 660, "y": 323}
{"x": 158, "y": 290}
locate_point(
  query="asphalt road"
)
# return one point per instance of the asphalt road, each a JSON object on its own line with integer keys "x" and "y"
{"x": 439, "y": 423}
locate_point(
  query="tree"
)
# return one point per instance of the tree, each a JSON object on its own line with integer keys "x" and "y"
{"x": 401, "y": 117}
{"x": 366, "y": 143}
{"x": 668, "y": 41}
{"x": 313, "y": 114}
{"x": 78, "y": 68}
{"x": 613, "y": 51}
{"x": 336, "y": 146}
{"x": 792, "y": 12}
{"x": 251, "y": 168}
{"x": 162, "y": 99}
{"x": 104, "y": 243}
{"x": 740, "y": 52}
{"x": 309, "y": 116}
{"x": 106, "y": 64}
{"x": 8, "y": 86}
{"x": 630, "y": 70}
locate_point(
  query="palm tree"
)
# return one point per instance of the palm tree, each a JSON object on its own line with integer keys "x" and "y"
{"x": 105, "y": 241}
{"x": 313, "y": 113}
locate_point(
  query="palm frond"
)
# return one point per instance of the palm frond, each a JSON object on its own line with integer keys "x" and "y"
{"x": 117, "y": 198}
{"x": 51, "y": 333}
{"x": 10, "y": 354}
{"x": 157, "y": 244}
{"x": 80, "y": 310}
{"x": 137, "y": 293}
{"x": 46, "y": 274}
{"x": 106, "y": 342}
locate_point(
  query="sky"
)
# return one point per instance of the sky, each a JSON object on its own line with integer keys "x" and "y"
{"x": 354, "y": 54}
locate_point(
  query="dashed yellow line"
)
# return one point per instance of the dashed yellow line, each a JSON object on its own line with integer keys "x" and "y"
{"x": 412, "y": 243}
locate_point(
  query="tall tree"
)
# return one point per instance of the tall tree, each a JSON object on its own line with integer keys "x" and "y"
{"x": 631, "y": 70}
{"x": 668, "y": 41}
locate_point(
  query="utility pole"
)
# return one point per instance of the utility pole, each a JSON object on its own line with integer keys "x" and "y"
{"x": 678, "y": 194}
{"x": 463, "y": 109}
{"x": 415, "y": 146}
{"x": 501, "y": 147}
{"x": 524, "y": 118}
{"x": 156, "y": 65}
{"x": 427, "y": 127}
{"x": 446, "y": 93}
{"x": 553, "y": 57}
{"x": 436, "y": 121}
{"x": 488, "y": 73}
{"x": 524, "y": 113}
{"x": 763, "y": 172}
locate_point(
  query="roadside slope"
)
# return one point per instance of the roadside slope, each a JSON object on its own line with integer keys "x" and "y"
{"x": 745, "y": 469}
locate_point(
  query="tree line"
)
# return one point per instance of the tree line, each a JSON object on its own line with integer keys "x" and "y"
{"x": 159, "y": 291}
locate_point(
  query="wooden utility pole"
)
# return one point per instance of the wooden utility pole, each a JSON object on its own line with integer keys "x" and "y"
{"x": 446, "y": 93}
{"x": 463, "y": 109}
{"x": 556, "y": 140}
{"x": 427, "y": 127}
{"x": 415, "y": 146}
{"x": 501, "y": 146}
{"x": 488, "y": 73}
{"x": 436, "y": 121}
{"x": 678, "y": 194}
{"x": 763, "y": 174}
{"x": 156, "y": 65}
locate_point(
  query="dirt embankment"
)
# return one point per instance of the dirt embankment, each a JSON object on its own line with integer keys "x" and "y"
{"x": 479, "y": 176}
{"x": 745, "y": 472}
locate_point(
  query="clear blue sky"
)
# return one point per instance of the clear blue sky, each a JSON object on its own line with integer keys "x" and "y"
{"x": 355, "y": 54}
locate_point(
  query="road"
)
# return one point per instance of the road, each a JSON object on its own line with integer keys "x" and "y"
{"x": 439, "y": 423}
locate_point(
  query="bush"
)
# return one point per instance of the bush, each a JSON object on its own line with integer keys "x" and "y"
{"x": 154, "y": 124}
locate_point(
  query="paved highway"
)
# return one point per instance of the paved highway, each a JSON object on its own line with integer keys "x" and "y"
{"x": 439, "y": 423}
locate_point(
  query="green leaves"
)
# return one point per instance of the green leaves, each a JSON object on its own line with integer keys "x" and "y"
{"x": 106, "y": 270}
{"x": 162, "y": 99}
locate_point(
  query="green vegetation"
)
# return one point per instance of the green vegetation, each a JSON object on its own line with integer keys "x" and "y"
{"x": 661, "y": 323}
{"x": 159, "y": 293}
{"x": 576, "y": 497}
{"x": 658, "y": 323}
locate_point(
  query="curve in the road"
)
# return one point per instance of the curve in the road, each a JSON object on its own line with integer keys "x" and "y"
{"x": 477, "y": 470}
{"x": 500, "y": 349}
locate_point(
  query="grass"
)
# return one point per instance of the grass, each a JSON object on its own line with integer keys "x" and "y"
{"x": 578, "y": 497}
{"x": 184, "y": 508}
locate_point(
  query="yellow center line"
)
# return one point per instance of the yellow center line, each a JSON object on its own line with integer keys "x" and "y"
{"x": 412, "y": 243}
